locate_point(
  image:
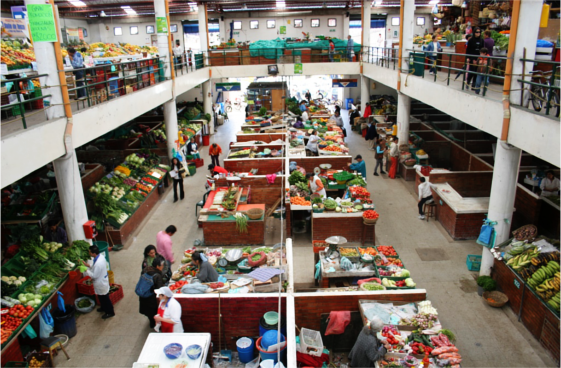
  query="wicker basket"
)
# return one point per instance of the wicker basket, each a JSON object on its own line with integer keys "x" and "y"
{"x": 533, "y": 230}
{"x": 495, "y": 299}
{"x": 254, "y": 213}
{"x": 370, "y": 221}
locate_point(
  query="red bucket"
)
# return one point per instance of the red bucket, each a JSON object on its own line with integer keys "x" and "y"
{"x": 73, "y": 275}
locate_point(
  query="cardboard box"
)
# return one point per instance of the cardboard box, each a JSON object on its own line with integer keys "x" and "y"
{"x": 129, "y": 89}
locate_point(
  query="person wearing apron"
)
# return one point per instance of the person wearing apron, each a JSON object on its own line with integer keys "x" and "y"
{"x": 168, "y": 319}
{"x": 316, "y": 185}
{"x": 312, "y": 145}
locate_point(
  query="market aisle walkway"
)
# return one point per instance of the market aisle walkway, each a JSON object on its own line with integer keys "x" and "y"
{"x": 486, "y": 337}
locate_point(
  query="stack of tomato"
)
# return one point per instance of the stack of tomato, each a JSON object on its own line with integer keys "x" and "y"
{"x": 19, "y": 311}
{"x": 359, "y": 192}
{"x": 387, "y": 250}
{"x": 10, "y": 323}
{"x": 389, "y": 332}
{"x": 370, "y": 214}
{"x": 420, "y": 349}
{"x": 178, "y": 285}
{"x": 400, "y": 283}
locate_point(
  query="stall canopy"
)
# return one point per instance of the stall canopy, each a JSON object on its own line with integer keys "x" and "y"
{"x": 272, "y": 49}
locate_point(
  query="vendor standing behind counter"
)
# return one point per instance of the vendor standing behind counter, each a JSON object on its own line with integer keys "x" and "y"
{"x": 206, "y": 273}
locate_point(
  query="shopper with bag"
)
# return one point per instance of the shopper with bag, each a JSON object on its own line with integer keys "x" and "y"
{"x": 150, "y": 255}
{"x": 98, "y": 272}
{"x": 150, "y": 280}
{"x": 380, "y": 148}
{"x": 177, "y": 173}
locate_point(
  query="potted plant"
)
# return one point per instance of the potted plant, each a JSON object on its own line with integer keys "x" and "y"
{"x": 485, "y": 283}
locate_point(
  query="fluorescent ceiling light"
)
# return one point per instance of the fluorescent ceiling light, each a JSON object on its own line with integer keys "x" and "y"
{"x": 377, "y": 3}
{"x": 432, "y": 2}
{"x": 281, "y": 4}
{"x": 128, "y": 10}
{"x": 244, "y": 7}
{"x": 102, "y": 13}
{"x": 77, "y": 3}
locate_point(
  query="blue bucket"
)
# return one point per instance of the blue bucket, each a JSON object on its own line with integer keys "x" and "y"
{"x": 245, "y": 352}
{"x": 264, "y": 327}
{"x": 270, "y": 355}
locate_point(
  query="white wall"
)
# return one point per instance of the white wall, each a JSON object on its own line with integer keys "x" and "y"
{"x": 190, "y": 95}
{"x": 418, "y": 30}
{"x": 246, "y": 34}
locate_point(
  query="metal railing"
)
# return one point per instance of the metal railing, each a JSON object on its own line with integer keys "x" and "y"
{"x": 538, "y": 92}
{"x": 18, "y": 108}
{"x": 387, "y": 57}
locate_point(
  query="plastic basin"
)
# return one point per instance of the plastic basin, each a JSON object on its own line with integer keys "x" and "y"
{"x": 193, "y": 351}
{"x": 173, "y": 350}
{"x": 271, "y": 318}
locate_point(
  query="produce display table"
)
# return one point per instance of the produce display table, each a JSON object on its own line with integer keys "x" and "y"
{"x": 328, "y": 224}
{"x": 153, "y": 350}
{"x": 344, "y": 276}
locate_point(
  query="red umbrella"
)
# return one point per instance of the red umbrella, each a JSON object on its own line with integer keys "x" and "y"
{"x": 219, "y": 169}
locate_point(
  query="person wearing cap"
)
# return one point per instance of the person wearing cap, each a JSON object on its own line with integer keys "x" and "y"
{"x": 316, "y": 185}
{"x": 98, "y": 273}
{"x": 367, "y": 349}
{"x": 168, "y": 319}
{"x": 206, "y": 273}
{"x": 359, "y": 166}
{"x": 394, "y": 156}
{"x": 312, "y": 144}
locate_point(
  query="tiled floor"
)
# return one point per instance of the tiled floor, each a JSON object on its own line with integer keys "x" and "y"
{"x": 487, "y": 337}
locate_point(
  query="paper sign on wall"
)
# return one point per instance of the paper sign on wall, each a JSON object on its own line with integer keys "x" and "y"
{"x": 282, "y": 29}
{"x": 42, "y": 22}
{"x": 297, "y": 68}
{"x": 161, "y": 25}
{"x": 14, "y": 28}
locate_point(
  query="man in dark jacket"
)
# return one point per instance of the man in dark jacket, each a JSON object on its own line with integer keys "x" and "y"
{"x": 56, "y": 233}
{"x": 472, "y": 51}
{"x": 372, "y": 135}
{"x": 149, "y": 306}
{"x": 367, "y": 349}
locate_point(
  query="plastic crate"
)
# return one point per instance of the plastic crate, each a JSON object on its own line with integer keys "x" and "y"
{"x": 473, "y": 262}
{"x": 315, "y": 343}
{"x": 83, "y": 288}
{"x": 114, "y": 296}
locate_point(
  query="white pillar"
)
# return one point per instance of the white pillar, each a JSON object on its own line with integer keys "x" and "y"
{"x": 408, "y": 32}
{"x": 503, "y": 193}
{"x": 403, "y": 116}
{"x": 203, "y": 28}
{"x": 207, "y": 104}
{"x": 170, "y": 108}
{"x": 46, "y": 64}
{"x": 367, "y": 6}
{"x": 364, "y": 93}
{"x": 72, "y": 202}
{"x": 528, "y": 29}
{"x": 346, "y": 21}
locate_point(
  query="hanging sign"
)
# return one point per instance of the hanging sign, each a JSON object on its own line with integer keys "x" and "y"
{"x": 282, "y": 29}
{"x": 345, "y": 83}
{"x": 161, "y": 25}
{"x": 19, "y": 12}
{"x": 14, "y": 28}
{"x": 235, "y": 86}
{"x": 42, "y": 22}
{"x": 297, "y": 68}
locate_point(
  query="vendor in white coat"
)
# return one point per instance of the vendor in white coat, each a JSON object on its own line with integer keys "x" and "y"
{"x": 316, "y": 185}
{"x": 549, "y": 185}
{"x": 168, "y": 318}
{"x": 313, "y": 142}
{"x": 98, "y": 272}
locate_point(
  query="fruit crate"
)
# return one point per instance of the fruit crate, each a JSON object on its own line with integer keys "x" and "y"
{"x": 319, "y": 245}
{"x": 393, "y": 278}
{"x": 43, "y": 357}
{"x": 353, "y": 259}
{"x": 384, "y": 267}
{"x": 388, "y": 256}
{"x": 83, "y": 288}
{"x": 114, "y": 296}
{"x": 473, "y": 262}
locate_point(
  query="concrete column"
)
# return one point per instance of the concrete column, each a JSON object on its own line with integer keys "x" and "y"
{"x": 73, "y": 204}
{"x": 203, "y": 27}
{"x": 46, "y": 64}
{"x": 170, "y": 107}
{"x": 367, "y": 9}
{"x": 346, "y": 21}
{"x": 528, "y": 29}
{"x": 408, "y": 22}
{"x": 503, "y": 193}
{"x": 207, "y": 103}
{"x": 403, "y": 116}
{"x": 364, "y": 93}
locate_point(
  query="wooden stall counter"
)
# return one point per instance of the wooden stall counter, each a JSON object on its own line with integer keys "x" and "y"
{"x": 328, "y": 224}
{"x": 222, "y": 231}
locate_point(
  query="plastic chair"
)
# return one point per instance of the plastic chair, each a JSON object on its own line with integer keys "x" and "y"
{"x": 201, "y": 203}
{"x": 52, "y": 344}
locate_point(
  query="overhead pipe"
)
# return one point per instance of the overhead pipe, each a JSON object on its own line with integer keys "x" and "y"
{"x": 64, "y": 88}
{"x": 508, "y": 72}
{"x": 399, "y": 57}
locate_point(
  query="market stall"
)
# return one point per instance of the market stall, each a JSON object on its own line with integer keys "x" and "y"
{"x": 526, "y": 270}
{"x": 260, "y": 137}
{"x": 171, "y": 349}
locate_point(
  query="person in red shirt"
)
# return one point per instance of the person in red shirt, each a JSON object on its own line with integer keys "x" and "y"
{"x": 331, "y": 50}
{"x": 367, "y": 110}
{"x": 214, "y": 152}
{"x": 481, "y": 68}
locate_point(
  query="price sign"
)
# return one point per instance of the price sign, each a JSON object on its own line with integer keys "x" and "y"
{"x": 42, "y": 22}
{"x": 162, "y": 25}
{"x": 297, "y": 68}
{"x": 517, "y": 283}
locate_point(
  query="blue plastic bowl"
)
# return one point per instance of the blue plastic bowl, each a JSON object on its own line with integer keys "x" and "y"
{"x": 195, "y": 354}
{"x": 173, "y": 351}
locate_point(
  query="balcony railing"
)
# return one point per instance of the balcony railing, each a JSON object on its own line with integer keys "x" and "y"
{"x": 20, "y": 94}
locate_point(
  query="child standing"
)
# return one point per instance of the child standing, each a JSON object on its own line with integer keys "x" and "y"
{"x": 481, "y": 68}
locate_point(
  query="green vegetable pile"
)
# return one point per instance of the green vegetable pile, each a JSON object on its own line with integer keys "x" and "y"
{"x": 303, "y": 187}
{"x": 265, "y": 250}
{"x": 372, "y": 286}
{"x": 330, "y": 203}
{"x": 256, "y": 257}
{"x": 246, "y": 250}
{"x": 241, "y": 223}
{"x": 357, "y": 181}
{"x": 296, "y": 177}
{"x": 501, "y": 41}
{"x": 85, "y": 303}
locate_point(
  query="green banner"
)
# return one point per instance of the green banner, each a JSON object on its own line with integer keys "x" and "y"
{"x": 161, "y": 25}
{"x": 297, "y": 68}
{"x": 42, "y": 22}
{"x": 282, "y": 29}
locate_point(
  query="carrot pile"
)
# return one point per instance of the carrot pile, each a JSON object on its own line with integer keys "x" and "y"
{"x": 300, "y": 201}
{"x": 368, "y": 250}
{"x": 333, "y": 149}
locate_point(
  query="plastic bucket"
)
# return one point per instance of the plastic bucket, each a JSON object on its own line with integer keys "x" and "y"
{"x": 271, "y": 318}
{"x": 206, "y": 140}
{"x": 264, "y": 327}
{"x": 65, "y": 322}
{"x": 192, "y": 168}
{"x": 269, "y": 354}
{"x": 245, "y": 351}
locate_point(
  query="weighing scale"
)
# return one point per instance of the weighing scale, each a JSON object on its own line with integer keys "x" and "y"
{"x": 333, "y": 242}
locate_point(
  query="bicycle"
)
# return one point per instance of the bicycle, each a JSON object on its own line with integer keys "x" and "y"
{"x": 539, "y": 95}
{"x": 238, "y": 105}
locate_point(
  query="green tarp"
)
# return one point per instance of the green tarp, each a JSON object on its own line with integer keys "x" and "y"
{"x": 273, "y": 49}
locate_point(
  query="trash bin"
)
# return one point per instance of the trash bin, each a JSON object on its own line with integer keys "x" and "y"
{"x": 104, "y": 248}
{"x": 349, "y": 103}
{"x": 65, "y": 322}
{"x": 418, "y": 66}
{"x": 192, "y": 168}
{"x": 161, "y": 189}
{"x": 206, "y": 140}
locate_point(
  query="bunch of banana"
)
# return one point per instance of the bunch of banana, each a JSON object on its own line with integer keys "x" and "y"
{"x": 549, "y": 287}
{"x": 545, "y": 257}
{"x": 555, "y": 301}
{"x": 545, "y": 272}
{"x": 524, "y": 259}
